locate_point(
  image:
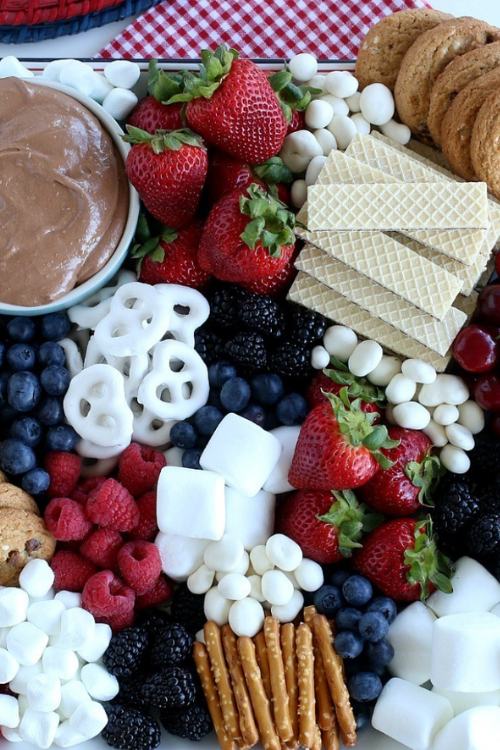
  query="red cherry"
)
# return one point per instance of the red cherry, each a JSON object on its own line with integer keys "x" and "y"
{"x": 497, "y": 262}
{"x": 487, "y": 392}
{"x": 488, "y": 303}
{"x": 475, "y": 349}
{"x": 495, "y": 425}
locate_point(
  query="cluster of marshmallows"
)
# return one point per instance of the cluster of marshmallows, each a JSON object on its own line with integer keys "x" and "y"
{"x": 419, "y": 398}
{"x": 50, "y": 651}
{"x": 445, "y": 693}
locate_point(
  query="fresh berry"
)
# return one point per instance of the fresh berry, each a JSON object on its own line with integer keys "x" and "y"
{"x": 130, "y": 690}
{"x": 85, "y": 488}
{"x": 207, "y": 419}
{"x": 277, "y": 282}
{"x": 173, "y": 687}
{"x": 262, "y": 314}
{"x": 267, "y": 388}
{"x": 21, "y": 329}
{"x": 338, "y": 377}
{"x": 72, "y": 571}
{"x": 305, "y": 325}
{"x": 364, "y": 686}
{"x": 126, "y": 652}
{"x": 105, "y": 596}
{"x": 61, "y": 438}
{"x": 66, "y": 520}
{"x": 55, "y": 326}
{"x": 385, "y": 606}
{"x": 488, "y": 304}
{"x": 247, "y": 350}
{"x": 226, "y": 174}
{"x": 296, "y": 122}
{"x": 151, "y": 115}
{"x": 357, "y": 590}
{"x": 209, "y": 346}
{"x": 486, "y": 392}
{"x": 101, "y": 547}
{"x": 291, "y": 358}
{"x": 347, "y": 618}
{"x": 139, "y": 564}
{"x": 147, "y": 527}
{"x": 183, "y": 435}
{"x": 338, "y": 576}
{"x": 187, "y": 608}
{"x": 51, "y": 353}
{"x": 219, "y": 372}
{"x": 26, "y": 429}
{"x": 255, "y": 413}
{"x": 171, "y": 645}
{"x": 23, "y": 391}
{"x": 159, "y": 594}
{"x": 154, "y": 620}
{"x": 328, "y": 600}
{"x": 55, "y": 380}
{"x": 191, "y": 723}
{"x": 373, "y": 627}
{"x": 16, "y": 457}
{"x": 292, "y": 409}
{"x": 35, "y": 481}
{"x": 485, "y": 457}
{"x": 120, "y": 620}
{"x": 20, "y": 357}
{"x": 379, "y": 654}
{"x": 348, "y": 645}
{"x": 139, "y": 468}
{"x": 475, "y": 349}
{"x": 171, "y": 257}
{"x": 456, "y": 505}
{"x": 191, "y": 458}
{"x": 112, "y": 506}
{"x": 235, "y": 394}
{"x": 489, "y": 497}
{"x": 225, "y": 304}
{"x": 130, "y": 729}
{"x": 483, "y": 537}
{"x": 50, "y": 412}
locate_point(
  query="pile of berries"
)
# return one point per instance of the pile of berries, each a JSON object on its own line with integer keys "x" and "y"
{"x": 33, "y": 381}
{"x": 157, "y": 679}
{"x": 106, "y": 528}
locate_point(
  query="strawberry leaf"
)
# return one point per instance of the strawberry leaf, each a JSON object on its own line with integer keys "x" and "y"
{"x": 351, "y": 519}
{"x": 290, "y": 96}
{"x": 273, "y": 171}
{"x": 214, "y": 67}
{"x": 163, "y": 140}
{"x": 424, "y": 475}
{"x": 357, "y": 387}
{"x": 425, "y": 563}
{"x": 147, "y": 245}
{"x": 163, "y": 85}
{"x": 271, "y": 224}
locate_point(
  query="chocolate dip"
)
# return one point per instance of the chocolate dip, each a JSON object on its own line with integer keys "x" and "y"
{"x": 63, "y": 193}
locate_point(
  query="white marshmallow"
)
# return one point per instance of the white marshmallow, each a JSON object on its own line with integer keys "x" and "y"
{"x": 455, "y": 459}
{"x": 201, "y": 580}
{"x": 69, "y": 598}
{"x": 362, "y": 126}
{"x": 225, "y": 554}
{"x": 298, "y": 193}
{"x": 180, "y": 555}
{"x": 496, "y": 610}
{"x": 445, "y": 414}
{"x": 13, "y": 606}
{"x": 79, "y": 76}
{"x": 353, "y": 102}
{"x": 46, "y": 615}
{"x": 400, "y": 389}
{"x": 98, "y": 682}
{"x": 174, "y": 456}
{"x": 259, "y": 560}
{"x": 340, "y": 342}
{"x": 44, "y": 693}
{"x": 459, "y": 436}
{"x": 384, "y": 372}
{"x": 26, "y": 643}
{"x": 446, "y": 389}
{"x": 283, "y": 552}
{"x": 419, "y": 371}
{"x": 377, "y": 103}
{"x": 397, "y": 131}
{"x": 66, "y": 736}
{"x": 216, "y": 607}
{"x": 318, "y": 114}
{"x": 122, "y": 73}
{"x": 246, "y": 617}
{"x": 327, "y": 142}
{"x": 101, "y": 88}
{"x": 436, "y": 434}
{"x": 73, "y": 693}
{"x": 60, "y": 662}
{"x": 119, "y": 103}
{"x": 89, "y": 719}
{"x": 242, "y": 452}
{"x": 190, "y": 503}
{"x": 341, "y": 83}
{"x": 410, "y": 714}
{"x": 309, "y": 575}
{"x": 365, "y": 358}
{"x": 3, "y": 636}
{"x": 343, "y": 129}
{"x": 288, "y": 612}
{"x": 39, "y": 727}
{"x": 95, "y": 645}
{"x": 411, "y": 415}
{"x": 276, "y": 587}
{"x": 313, "y": 169}
{"x": 474, "y": 590}
{"x": 251, "y": 519}
{"x": 234, "y": 586}
{"x": 303, "y": 66}
{"x": 319, "y": 358}
{"x": 277, "y": 481}
{"x": 461, "y": 702}
{"x": 256, "y": 588}
{"x": 471, "y": 416}
{"x": 53, "y": 69}
{"x": 475, "y": 729}
{"x": 11, "y": 735}
{"x": 9, "y": 711}
{"x": 411, "y": 637}
{"x": 24, "y": 676}
{"x": 10, "y": 66}
{"x": 76, "y": 627}
{"x": 36, "y": 578}
{"x": 8, "y": 666}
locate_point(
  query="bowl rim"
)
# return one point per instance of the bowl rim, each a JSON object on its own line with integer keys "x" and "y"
{"x": 76, "y": 295}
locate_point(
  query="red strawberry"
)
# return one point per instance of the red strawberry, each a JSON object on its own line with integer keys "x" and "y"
{"x": 338, "y": 446}
{"x": 226, "y": 174}
{"x": 401, "y": 489}
{"x": 297, "y": 122}
{"x": 152, "y": 113}
{"x": 326, "y": 525}
{"x": 168, "y": 170}
{"x": 247, "y": 238}
{"x": 402, "y": 560}
{"x": 275, "y": 283}
{"x": 338, "y": 376}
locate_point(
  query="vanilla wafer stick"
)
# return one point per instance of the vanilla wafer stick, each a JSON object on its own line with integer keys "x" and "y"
{"x": 325, "y": 711}
{"x": 263, "y": 662}
{"x": 202, "y": 662}
{"x": 222, "y": 680}
{"x": 281, "y": 708}
{"x": 305, "y": 680}
{"x": 260, "y": 702}
{"x": 290, "y": 666}
{"x": 248, "y": 727}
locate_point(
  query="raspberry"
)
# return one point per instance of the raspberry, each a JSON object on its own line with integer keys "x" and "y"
{"x": 113, "y": 507}
{"x": 85, "y": 487}
{"x": 139, "y": 468}
{"x": 121, "y": 621}
{"x": 66, "y": 520}
{"x": 140, "y": 565}
{"x": 64, "y": 471}
{"x": 101, "y": 547}
{"x": 146, "y": 528}
{"x": 71, "y": 570}
{"x": 160, "y": 593}
{"x": 106, "y": 596}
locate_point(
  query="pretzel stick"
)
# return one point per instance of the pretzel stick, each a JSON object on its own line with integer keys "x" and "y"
{"x": 201, "y": 660}
{"x": 305, "y": 672}
{"x": 324, "y": 707}
{"x": 248, "y": 728}
{"x": 278, "y": 684}
{"x": 260, "y": 702}
{"x": 334, "y": 674}
{"x": 221, "y": 676}
{"x": 317, "y": 739}
{"x": 288, "y": 649}
{"x": 331, "y": 738}
{"x": 263, "y": 662}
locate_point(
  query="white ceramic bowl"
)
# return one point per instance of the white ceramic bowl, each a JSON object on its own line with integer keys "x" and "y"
{"x": 79, "y": 293}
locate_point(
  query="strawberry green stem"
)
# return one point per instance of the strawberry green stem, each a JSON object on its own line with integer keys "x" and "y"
{"x": 356, "y": 387}
{"x": 271, "y": 224}
{"x": 290, "y": 96}
{"x": 215, "y": 66}
{"x": 425, "y": 475}
{"x": 149, "y": 243}
{"x": 163, "y": 85}
{"x": 426, "y": 564}
{"x": 351, "y": 519}
{"x": 163, "y": 140}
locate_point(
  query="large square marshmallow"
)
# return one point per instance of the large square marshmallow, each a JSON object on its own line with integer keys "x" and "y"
{"x": 370, "y": 739}
{"x": 411, "y": 637}
{"x": 476, "y": 729}
{"x": 411, "y": 714}
{"x": 461, "y": 702}
{"x": 277, "y": 481}
{"x": 474, "y": 590}
{"x": 180, "y": 555}
{"x": 496, "y": 610}
{"x": 466, "y": 653}
{"x": 243, "y": 453}
{"x": 250, "y": 519}
{"x": 190, "y": 503}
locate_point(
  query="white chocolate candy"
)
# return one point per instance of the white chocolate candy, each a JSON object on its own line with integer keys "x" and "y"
{"x": 400, "y": 389}
{"x": 317, "y": 81}
{"x": 298, "y": 193}
{"x": 246, "y": 617}
{"x": 122, "y": 73}
{"x": 419, "y": 371}
{"x": 234, "y": 586}
{"x": 341, "y": 83}
{"x": 436, "y": 434}
{"x": 454, "y": 459}
{"x": 340, "y": 342}
{"x": 446, "y": 389}
{"x": 87, "y": 314}
{"x": 471, "y": 416}
{"x": 326, "y": 140}
{"x": 95, "y": 467}
{"x": 133, "y": 368}
{"x": 88, "y": 449}
{"x": 319, "y": 114}
{"x": 386, "y": 369}
{"x": 303, "y": 66}
{"x": 338, "y": 105}
{"x": 411, "y": 416}
{"x": 148, "y": 429}
{"x": 276, "y": 587}
{"x": 343, "y": 129}
{"x": 460, "y": 436}
{"x": 377, "y": 103}
{"x": 314, "y": 168}
{"x": 362, "y": 126}
{"x": 201, "y": 580}
{"x": 283, "y": 552}
{"x": 216, "y": 607}
{"x": 365, "y": 358}
{"x": 309, "y": 575}
{"x": 319, "y": 358}
{"x": 225, "y": 554}
{"x": 288, "y": 612}
{"x": 397, "y": 131}
{"x": 445, "y": 414}
{"x": 298, "y": 150}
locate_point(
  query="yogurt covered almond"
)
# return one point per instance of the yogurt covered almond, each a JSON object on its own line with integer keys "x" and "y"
{"x": 63, "y": 193}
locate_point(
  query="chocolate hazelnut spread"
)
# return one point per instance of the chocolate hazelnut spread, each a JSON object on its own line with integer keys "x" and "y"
{"x": 63, "y": 193}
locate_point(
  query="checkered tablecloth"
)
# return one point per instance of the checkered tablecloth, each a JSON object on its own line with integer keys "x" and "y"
{"x": 330, "y": 29}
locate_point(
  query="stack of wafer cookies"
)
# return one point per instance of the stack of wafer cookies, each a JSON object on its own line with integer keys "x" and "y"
{"x": 285, "y": 688}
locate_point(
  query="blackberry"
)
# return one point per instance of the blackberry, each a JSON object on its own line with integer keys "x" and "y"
{"x": 126, "y": 651}
{"x": 262, "y": 314}
{"x": 130, "y": 690}
{"x": 456, "y": 506}
{"x": 225, "y": 302}
{"x": 247, "y": 350}
{"x": 483, "y": 538}
{"x": 291, "y": 359}
{"x": 191, "y": 723}
{"x": 129, "y": 729}
{"x": 305, "y": 325}
{"x": 173, "y": 687}
{"x": 187, "y": 608}
{"x": 209, "y": 346}
{"x": 489, "y": 497}
{"x": 154, "y": 620}
{"x": 171, "y": 645}
{"x": 485, "y": 457}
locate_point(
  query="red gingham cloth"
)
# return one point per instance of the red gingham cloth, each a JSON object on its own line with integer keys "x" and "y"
{"x": 329, "y": 29}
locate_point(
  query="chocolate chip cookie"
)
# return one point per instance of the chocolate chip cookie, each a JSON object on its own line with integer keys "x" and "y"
{"x": 23, "y": 536}
{"x": 484, "y": 151}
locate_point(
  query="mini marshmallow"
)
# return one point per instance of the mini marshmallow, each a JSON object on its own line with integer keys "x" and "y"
{"x": 319, "y": 358}
{"x": 101, "y": 88}
{"x": 201, "y": 580}
{"x": 343, "y": 129}
{"x": 89, "y": 719}
{"x": 246, "y": 617}
{"x": 174, "y": 456}
{"x": 9, "y": 711}
{"x": 314, "y": 168}
{"x": 191, "y": 503}
{"x": 36, "y": 578}
{"x": 319, "y": 114}
{"x": 400, "y": 389}
{"x": 283, "y": 552}
{"x": 39, "y": 727}
{"x": 76, "y": 627}
{"x": 225, "y": 554}
{"x": 256, "y": 588}
{"x": 384, "y": 372}
{"x": 277, "y": 481}
{"x": 475, "y": 589}
{"x": 288, "y": 612}
{"x": 23, "y": 678}
{"x": 216, "y": 607}
{"x": 52, "y": 70}
{"x": 365, "y": 358}
{"x": 459, "y": 436}
{"x": 44, "y": 693}
{"x": 259, "y": 560}
{"x": 298, "y": 193}
{"x": 9, "y": 666}
{"x": 73, "y": 693}
{"x": 60, "y": 662}
{"x": 475, "y": 729}
{"x": 377, "y": 103}
{"x": 79, "y": 76}
{"x": 234, "y": 586}
{"x": 251, "y": 519}
{"x": 11, "y": 735}
{"x": 411, "y": 416}
{"x": 454, "y": 459}
{"x": 309, "y": 575}
{"x": 419, "y": 371}
{"x": 96, "y": 644}
{"x": 445, "y": 414}
{"x": 276, "y": 587}
{"x": 98, "y": 682}
{"x": 341, "y": 83}
{"x": 66, "y": 736}
{"x": 340, "y": 342}
{"x": 13, "y": 606}
{"x": 461, "y": 702}
{"x": 411, "y": 637}
{"x": 180, "y": 555}
{"x": 10, "y": 66}
{"x": 327, "y": 141}
{"x": 122, "y": 73}
{"x": 362, "y": 126}
{"x": 471, "y": 416}
{"x": 119, "y": 103}
{"x": 69, "y": 598}
{"x": 303, "y": 66}
{"x": 496, "y": 610}
{"x": 26, "y": 643}
{"x": 397, "y": 131}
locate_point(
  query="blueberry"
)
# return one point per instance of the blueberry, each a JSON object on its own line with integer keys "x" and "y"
{"x": 21, "y": 329}
{"x": 362, "y": 715}
{"x": 379, "y": 654}
{"x": 21, "y": 357}
{"x": 219, "y": 372}
{"x": 26, "y": 429}
{"x": 61, "y": 438}
{"x": 2, "y": 353}
{"x": 327, "y": 600}
{"x": 292, "y": 409}
{"x": 338, "y": 576}
{"x": 267, "y": 388}
{"x": 16, "y": 457}
{"x": 235, "y": 394}
{"x": 35, "y": 481}
{"x": 23, "y": 391}
{"x": 385, "y": 606}
{"x": 255, "y": 413}
{"x": 4, "y": 377}
{"x": 55, "y": 380}
{"x": 348, "y": 645}
{"x": 214, "y": 398}
{"x": 183, "y": 435}
{"x": 207, "y": 419}
{"x": 364, "y": 686}
{"x": 7, "y": 415}
{"x": 347, "y": 618}
{"x": 55, "y": 326}
{"x": 357, "y": 590}
{"x": 191, "y": 459}
{"x": 373, "y": 626}
{"x": 51, "y": 353}
{"x": 50, "y": 412}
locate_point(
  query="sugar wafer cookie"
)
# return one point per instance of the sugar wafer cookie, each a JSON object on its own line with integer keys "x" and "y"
{"x": 220, "y": 672}
{"x": 281, "y": 709}
{"x": 248, "y": 728}
{"x": 202, "y": 663}
{"x": 260, "y": 702}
